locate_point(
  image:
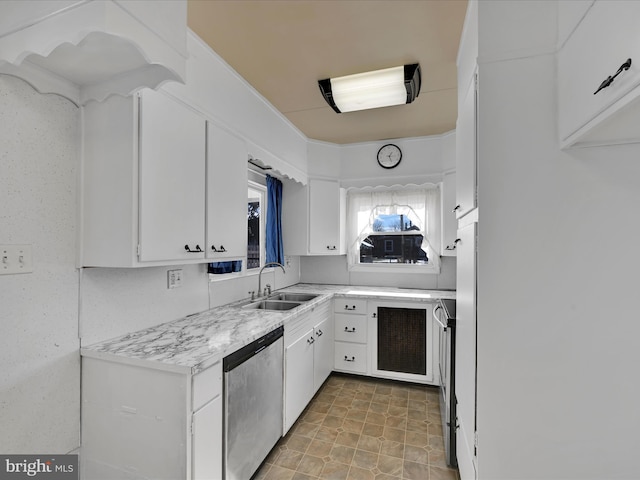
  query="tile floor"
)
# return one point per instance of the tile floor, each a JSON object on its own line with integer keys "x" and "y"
{"x": 363, "y": 428}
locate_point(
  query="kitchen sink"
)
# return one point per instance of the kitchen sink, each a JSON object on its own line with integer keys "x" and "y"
{"x": 272, "y": 305}
{"x": 293, "y": 297}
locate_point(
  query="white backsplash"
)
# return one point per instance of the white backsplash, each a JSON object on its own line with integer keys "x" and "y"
{"x": 227, "y": 290}
{"x": 115, "y": 301}
{"x": 333, "y": 270}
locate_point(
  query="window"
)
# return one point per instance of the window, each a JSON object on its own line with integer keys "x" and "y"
{"x": 394, "y": 229}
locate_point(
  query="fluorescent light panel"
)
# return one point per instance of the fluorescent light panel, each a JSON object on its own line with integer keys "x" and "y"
{"x": 380, "y": 88}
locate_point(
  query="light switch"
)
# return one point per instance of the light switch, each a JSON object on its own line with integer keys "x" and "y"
{"x": 15, "y": 259}
{"x": 174, "y": 278}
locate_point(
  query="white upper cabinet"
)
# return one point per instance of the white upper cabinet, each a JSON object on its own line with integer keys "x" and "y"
{"x": 606, "y": 38}
{"x": 449, "y": 222}
{"x": 226, "y": 194}
{"x": 172, "y": 180}
{"x": 89, "y": 50}
{"x": 143, "y": 182}
{"x": 313, "y": 218}
{"x": 326, "y": 218}
{"x": 466, "y": 152}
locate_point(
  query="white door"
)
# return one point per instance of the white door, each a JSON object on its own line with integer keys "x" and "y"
{"x": 226, "y": 194}
{"x": 466, "y": 349}
{"x": 298, "y": 377}
{"x": 172, "y": 179}
{"x": 323, "y": 352}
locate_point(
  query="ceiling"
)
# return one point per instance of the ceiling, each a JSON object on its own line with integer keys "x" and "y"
{"x": 283, "y": 47}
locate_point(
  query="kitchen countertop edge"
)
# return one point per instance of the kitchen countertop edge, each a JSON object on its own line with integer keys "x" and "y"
{"x": 196, "y": 342}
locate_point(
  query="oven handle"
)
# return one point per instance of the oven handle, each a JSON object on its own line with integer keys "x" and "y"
{"x": 435, "y": 315}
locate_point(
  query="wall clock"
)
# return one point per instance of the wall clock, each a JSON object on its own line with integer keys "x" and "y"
{"x": 389, "y": 155}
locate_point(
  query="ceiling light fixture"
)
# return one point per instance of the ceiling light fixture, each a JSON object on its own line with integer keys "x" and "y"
{"x": 380, "y": 88}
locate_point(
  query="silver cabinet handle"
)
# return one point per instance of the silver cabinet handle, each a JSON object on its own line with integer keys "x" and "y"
{"x": 329, "y": 247}
{"x": 457, "y": 207}
{"x": 310, "y": 340}
{"x": 347, "y": 359}
{"x": 196, "y": 250}
{"x": 374, "y": 315}
{"x": 353, "y": 330}
{"x": 319, "y": 333}
{"x": 347, "y": 307}
{"x": 219, "y": 250}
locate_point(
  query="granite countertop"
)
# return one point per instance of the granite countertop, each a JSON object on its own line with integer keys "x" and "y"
{"x": 193, "y": 343}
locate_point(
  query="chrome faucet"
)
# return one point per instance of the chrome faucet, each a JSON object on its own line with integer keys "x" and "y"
{"x": 270, "y": 264}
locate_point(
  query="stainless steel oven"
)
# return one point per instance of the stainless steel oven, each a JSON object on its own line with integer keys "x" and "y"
{"x": 445, "y": 314}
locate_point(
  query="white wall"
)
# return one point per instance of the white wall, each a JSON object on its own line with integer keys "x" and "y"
{"x": 333, "y": 270}
{"x": 40, "y": 374}
{"x": 115, "y": 301}
{"x": 557, "y": 312}
{"x": 424, "y": 159}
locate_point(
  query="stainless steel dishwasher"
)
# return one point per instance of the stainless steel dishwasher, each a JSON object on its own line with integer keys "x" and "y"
{"x": 253, "y": 379}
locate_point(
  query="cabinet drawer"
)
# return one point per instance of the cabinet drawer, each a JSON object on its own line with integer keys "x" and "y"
{"x": 351, "y": 328}
{"x": 207, "y": 385}
{"x": 349, "y": 305}
{"x": 351, "y": 357}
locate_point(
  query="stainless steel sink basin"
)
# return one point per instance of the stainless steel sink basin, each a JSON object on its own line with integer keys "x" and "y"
{"x": 272, "y": 305}
{"x": 293, "y": 297}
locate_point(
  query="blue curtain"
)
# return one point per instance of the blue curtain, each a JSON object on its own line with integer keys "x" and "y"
{"x": 275, "y": 250}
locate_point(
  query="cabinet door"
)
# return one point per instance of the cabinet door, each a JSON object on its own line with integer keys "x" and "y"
{"x": 325, "y": 217}
{"x": 323, "y": 352}
{"x": 298, "y": 377}
{"x": 207, "y": 441}
{"x": 226, "y": 194}
{"x": 449, "y": 223}
{"x": 604, "y": 40}
{"x": 465, "y": 387}
{"x": 172, "y": 182}
{"x": 466, "y": 152}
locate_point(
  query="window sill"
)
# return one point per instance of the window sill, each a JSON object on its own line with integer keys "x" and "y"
{"x": 395, "y": 268}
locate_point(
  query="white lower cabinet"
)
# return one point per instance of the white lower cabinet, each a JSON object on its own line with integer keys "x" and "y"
{"x": 322, "y": 351}
{"x": 403, "y": 341}
{"x": 298, "y": 379}
{"x": 350, "y": 335}
{"x": 308, "y": 358}
{"x": 410, "y": 350}
{"x": 140, "y": 422}
{"x": 207, "y": 440}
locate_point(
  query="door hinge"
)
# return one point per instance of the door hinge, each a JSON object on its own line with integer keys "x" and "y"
{"x": 138, "y": 250}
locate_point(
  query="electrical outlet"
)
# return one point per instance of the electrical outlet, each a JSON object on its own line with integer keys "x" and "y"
{"x": 174, "y": 278}
{"x": 15, "y": 259}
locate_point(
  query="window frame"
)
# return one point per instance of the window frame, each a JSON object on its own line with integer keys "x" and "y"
{"x": 262, "y": 191}
{"x": 431, "y": 235}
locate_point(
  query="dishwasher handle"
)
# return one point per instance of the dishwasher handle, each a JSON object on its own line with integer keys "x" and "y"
{"x": 251, "y": 350}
